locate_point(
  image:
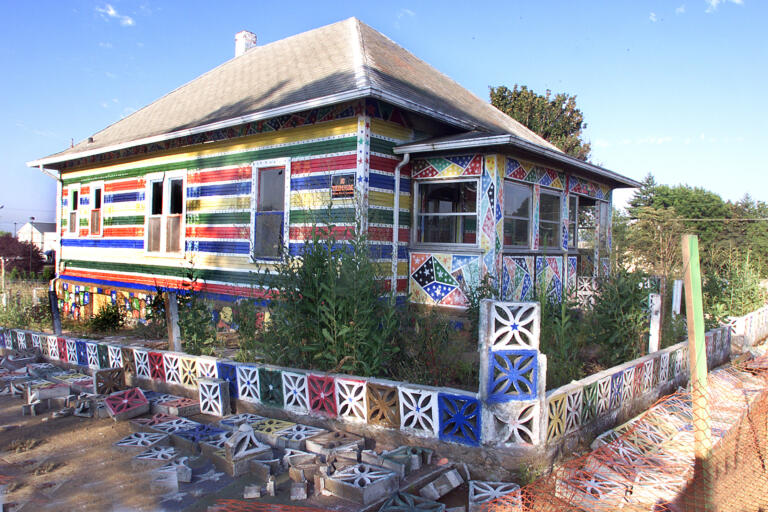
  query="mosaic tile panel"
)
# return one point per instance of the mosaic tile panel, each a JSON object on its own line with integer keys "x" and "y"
{"x": 531, "y": 173}
{"x": 517, "y": 278}
{"x": 549, "y": 276}
{"x": 438, "y": 278}
{"x": 448, "y": 166}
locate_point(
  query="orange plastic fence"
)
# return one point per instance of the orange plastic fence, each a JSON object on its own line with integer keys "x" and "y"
{"x": 232, "y": 505}
{"x": 649, "y": 465}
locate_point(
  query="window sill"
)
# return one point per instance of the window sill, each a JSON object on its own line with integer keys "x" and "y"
{"x": 452, "y": 248}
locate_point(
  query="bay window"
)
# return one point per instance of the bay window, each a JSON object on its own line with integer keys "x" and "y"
{"x": 447, "y": 212}
{"x": 517, "y": 214}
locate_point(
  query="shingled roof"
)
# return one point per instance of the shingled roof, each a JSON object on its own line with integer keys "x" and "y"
{"x": 339, "y": 62}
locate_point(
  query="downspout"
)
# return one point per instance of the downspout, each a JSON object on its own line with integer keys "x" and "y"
{"x": 396, "y": 220}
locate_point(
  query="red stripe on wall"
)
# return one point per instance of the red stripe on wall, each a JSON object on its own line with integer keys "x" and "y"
{"x": 235, "y": 173}
{"x": 121, "y": 186}
{"x": 127, "y": 232}
{"x": 385, "y": 234}
{"x": 85, "y": 190}
{"x": 218, "y": 232}
{"x": 84, "y": 232}
{"x": 332, "y": 163}
{"x": 402, "y": 284}
{"x": 306, "y": 232}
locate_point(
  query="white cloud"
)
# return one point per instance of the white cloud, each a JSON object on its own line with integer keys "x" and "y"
{"x": 713, "y": 4}
{"x": 680, "y": 10}
{"x": 108, "y": 12}
{"x": 105, "y": 45}
{"x": 652, "y": 17}
{"x": 110, "y": 74}
{"x": 402, "y": 13}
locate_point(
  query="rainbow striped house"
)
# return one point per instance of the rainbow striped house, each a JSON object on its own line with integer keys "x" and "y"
{"x": 229, "y": 171}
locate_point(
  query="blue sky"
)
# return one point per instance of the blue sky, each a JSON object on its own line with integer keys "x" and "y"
{"x": 669, "y": 87}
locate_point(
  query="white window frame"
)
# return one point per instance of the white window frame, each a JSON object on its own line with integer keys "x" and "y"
{"x": 573, "y": 241}
{"x": 255, "y": 166}
{"x": 91, "y": 202}
{"x": 417, "y": 216}
{"x": 165, "y": 178}
{"x": 527, "y": 247}
{"x": 76, "y": 205}
{"x": 559, "y": 222}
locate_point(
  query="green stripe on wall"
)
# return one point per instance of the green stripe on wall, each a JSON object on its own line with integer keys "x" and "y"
{"x": 382, "y": 146}
{"x": 378, "y": 216}
{"x": 83, "y": 222}
{"x": 294, "y": 150}
{"x": 320, "y": 216}
{"x": 125, "y": 220}
{"x": 219, "y": 218}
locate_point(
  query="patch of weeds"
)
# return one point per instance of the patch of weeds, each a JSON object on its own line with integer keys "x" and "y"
{"x": 14, "y": 486}
{"x": 46, "y": 467}
{"x": 23, "y": 445}
{"x": 528, "y": 473}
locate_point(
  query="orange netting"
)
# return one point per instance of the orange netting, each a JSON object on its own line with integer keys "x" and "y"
{"x": 649, "y": 464}
{"x": 232, "y": 505}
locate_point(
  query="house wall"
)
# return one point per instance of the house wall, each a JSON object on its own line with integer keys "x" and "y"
{"x": 322, "y": 144}
{"x": 440, "y": 277}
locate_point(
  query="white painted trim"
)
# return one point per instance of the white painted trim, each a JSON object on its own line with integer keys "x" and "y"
{"x": 165, "y": 178}
{"x": 91, "y": 201}
{"x": 255, "y": 166}
{"x": 426, "y": 246}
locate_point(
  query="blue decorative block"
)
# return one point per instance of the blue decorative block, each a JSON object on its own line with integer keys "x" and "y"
{"x": 199, "y": 433}
{"x": 228, "y": 372}
{"x": 616, "y": 380}
{"x": 81, "y": 350}
{"x": 459, "y": 419}
{"x": 512, "y": 375}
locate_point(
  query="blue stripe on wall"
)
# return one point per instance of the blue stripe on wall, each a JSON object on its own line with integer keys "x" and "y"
{"x": 103, "y": 243}
{"x": 311, "y": 182}
{"x": 226, "y": 189}
{"x": 124, "y": 197}
{"x": 221, "y": 247}
{"x": 388, "y": 182}
{"x": 377, "y": 251}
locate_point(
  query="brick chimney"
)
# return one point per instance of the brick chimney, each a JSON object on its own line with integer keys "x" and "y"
{"x": 244, "y": 41}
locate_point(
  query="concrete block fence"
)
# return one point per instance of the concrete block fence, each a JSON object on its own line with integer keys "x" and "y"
{"x": 750, "y": 328}
{"x": 511, "y": 413}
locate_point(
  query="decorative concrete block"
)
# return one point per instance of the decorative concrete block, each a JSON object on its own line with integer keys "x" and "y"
{"x": 248, "y": 383}
{"x": 172, "y": 364}
{"x": 108, "y": 381}
{"x": 180, "y": 466}
{"x": 126, "y": 404}
{"x": 404, "y": 502}
{"x": 207, "y": 367}
{"x": 627, "y": 385}
{"x": 154, "y": 456}
{"x": 34, "y": 338}
{"x": 232, "y": 422}
{"x": 383, "y": 406}
{"x": 175, "y": 425}
{"x": 53, "y": 347}
{"x": 141, "y": 424}
{"x": 189, "y": 439}
{"x": 82, "y": 353}
{"x": 321, "y": 390}
{"x": 326, "y": 444}
{"x": 295, "y": 437}
{"x": 418, "y": 411}
{"x": 512, "y": 326}
{"x": 61, "y": 346}
{"x": 103, "y": 354}
{"x": 115, "y": 356}
{"x": 178, "y": 406}
{"x": 460, "y": 418}
{"x": 271, "y": 387}
{"x": 512, "y": 424}
{"x": 156, "y": 366}
{"x": 512, "y": 375}
{"x": 442, "y": 485}
{"x": 556, "y": 416}
{"x": 71, "y": 351}
{"x": 214, "y": 396}
{"x": 268, "y": 429}
{"x": 295, "y": 394}
{"x": 128, "y": 362}
{"x": 188, "y": 371}
{"x": 616, "y": 384}
{"x": 574, "y": 401}
{"x": 648, "y": 376}
{"x": 362, "y": 483}
{"x": 351, "y": 399}
{"x": 21, "y": 340}
{"x": 215, "y": 442}
{"x": 243, "y": 444}
{"x": 227, "y": 371}
{"x": 142, "y": 440}
{"x": 92, "y": 351}
{"x": 141, "y": 363}
{"x": 603, "y": 395}
{"x": 481, "y": 493}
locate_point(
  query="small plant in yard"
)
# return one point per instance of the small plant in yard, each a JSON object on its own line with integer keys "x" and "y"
{"x": 560, "y": 340}
{"x": 155, "y": 326}
{"x": 111, "y": 317}
{"x": 249, "y": 318}
{"x": 23, "y": 445}
{"x": 196, "y": 325}
{"x": 487, "y": 288}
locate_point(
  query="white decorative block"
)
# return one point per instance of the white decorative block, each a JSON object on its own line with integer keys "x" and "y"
{"x": 484, "y": 492}
{"x": 206, "y": 367}
{"x": 418, "y": 410}
{"x": 647, "y": 375}
{"x": 295, "y": 392}
{"x": 141, "y": 360}
{"x": 36, "y": 341}
{"x": 92, "y": 352}
{"x": 53, "y": 347}
{"x": 214, "y": 396}
{"x": 513, "y": 325}
{"x": 627, "y": 381}
{"x": 248, "y": 383}
{"x": 573, "y": 410}
{"x": 603, "y": 395}
{"x": 72, "y": 351}
{"x": 172, "y": 364}
{"x": 512, "y": 424}
{"x": 351, "y": 399}
{"x": 21, "y": 339}
{"x": 664, "y": 368}
{"x": 115, "y": 356}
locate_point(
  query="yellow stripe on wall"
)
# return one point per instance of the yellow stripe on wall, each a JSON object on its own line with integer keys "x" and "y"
{"x": 390, "y": 130}
{"x": 378, "y": 198}
{"x": 124, "y": 208}
{"x": 303, "y": 133}
{"x": 218, "y": 203}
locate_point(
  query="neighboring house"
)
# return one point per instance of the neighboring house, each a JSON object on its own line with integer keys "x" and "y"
{"x": 42, "y": 234}
{"x": 229, "y": 170}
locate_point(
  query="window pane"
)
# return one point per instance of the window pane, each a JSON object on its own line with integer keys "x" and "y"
{"x": 177, "y": 197}
{"x": 173, "y": 234}
{"x": 157, "y": 198}
{"x": 549, "y": 234}
{"x": 458, "y": 197}
{"x": 72, "y": 222}
{"x": 549, "y": 207}
{"x": 271, "y": 190}
{"x": 95, "y": 222}
{"x": 153, "y": 239}
{"x": 97, "y": 198}
{"x": 75, "y": 200}
{"x": 459, "y": 229}
{"x": 587, "y": 222}
{"x": 268, "y": 235}
{"x": 516, "y": 232}
{"x": 517, "y": 199}
{"x": 572, "y": 206}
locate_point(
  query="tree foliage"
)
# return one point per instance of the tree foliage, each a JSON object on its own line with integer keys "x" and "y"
{"x": 22, "y": 256}
{"x": 554, "y": 117}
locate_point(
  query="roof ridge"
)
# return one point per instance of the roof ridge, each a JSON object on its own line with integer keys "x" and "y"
{"x": 361, "y": 65}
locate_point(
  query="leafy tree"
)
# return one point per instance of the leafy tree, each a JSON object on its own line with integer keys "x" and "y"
{"x": 21, "y": 256}
{"x": 556, "y": 118}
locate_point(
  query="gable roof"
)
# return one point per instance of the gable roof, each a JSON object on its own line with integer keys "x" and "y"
{"x": 339, "y": 62}
{"x": 42, "y": 227}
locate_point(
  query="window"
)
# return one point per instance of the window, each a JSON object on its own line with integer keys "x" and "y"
{"x": 517, "y": 214}
{"x": 74, "y": 203}
{"x": 447, "y": 212}
{"x": 549, "y": 220}
{"x": 166, "y": 212}
{"x": 96, "y": 212}
{"x": 268, "y": 220}
{"x": 573, "y": 208}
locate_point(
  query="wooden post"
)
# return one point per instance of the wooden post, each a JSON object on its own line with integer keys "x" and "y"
{"x": 702, "y": 426}
{"x": 654, "y": 308}
{"x": 2, "y": 272}
{"x": 54, "y": 303}
{"x": 172, "y": 321}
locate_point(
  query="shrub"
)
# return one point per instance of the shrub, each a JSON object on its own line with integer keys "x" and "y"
{"x": 111, "y": 317}
{"x": 249, "y": 318}
{"x": 196, "y": 325}
{"x": 486, "y": 289}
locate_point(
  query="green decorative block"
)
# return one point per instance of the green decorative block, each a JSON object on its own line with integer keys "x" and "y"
{"x": 271, "y": 387}
{"x": 589, "y": 405}
{"x": 103, "y": 352}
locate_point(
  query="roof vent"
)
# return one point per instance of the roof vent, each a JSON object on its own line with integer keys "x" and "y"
{"x": 244, "y": 41}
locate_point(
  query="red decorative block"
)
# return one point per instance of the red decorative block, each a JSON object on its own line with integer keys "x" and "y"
{"x": 156, "y": 366}
{"x": 322, "y": 396}
{"x": 62, "y": 344}
{"x": 127, "y": 404}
